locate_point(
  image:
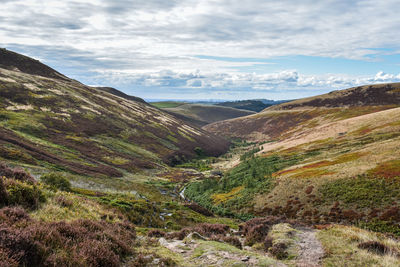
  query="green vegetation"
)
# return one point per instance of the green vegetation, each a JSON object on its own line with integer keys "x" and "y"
{"x": 252, "y": 105}
{"x": 167, "y": 104}
{"x": 56, "y": 181}
{"x": 250, "y": 153}
{"x": 198, "y": 164}
{"x": 168, "y": 214}
{"x": 380, "y": 226}
{"x": 253, "y": 175}
{"x": 363, "y": 191}
{"x": 23, "y": 194}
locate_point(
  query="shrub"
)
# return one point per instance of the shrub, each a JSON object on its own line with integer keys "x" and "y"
{"x": 199, "y": 151}
{"x": 3, "y": 193}
{"x": 268, "y": 243}
{"x": 6, "y": 259}
{"x": 199, "y": 209}
{"x": 21, "y": 244}
{"x": 140, "y": 261}
{"x": 309, "y": 189}
{"x": 209, "y": 229}
{"x": 56, "y": 181}
{"x": 204, "y": 229}
{"x": 155, "y": 233}
{"x": 23, "y": 194}
{"x": 12, "y": 215}
{"x": 255, "y": 230}
{"x": 278, "y": 250}
{"x": 16, "y": 173}
{"x": 97, "y": 253}
{"x": 79, "y": 243}
{"x": 180, "y": 235}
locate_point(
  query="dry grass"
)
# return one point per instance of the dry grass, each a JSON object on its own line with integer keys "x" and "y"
{"x": 341, "y": 247}
{"x": 64, "y": 206}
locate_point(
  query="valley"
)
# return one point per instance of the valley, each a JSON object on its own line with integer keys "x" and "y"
{"x": 90, "y": 176}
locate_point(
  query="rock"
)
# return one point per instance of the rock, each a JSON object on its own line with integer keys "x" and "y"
{"x": 245, "y": 259}
{"x": 163, "y": 242}
{"x": 196, "y": 235}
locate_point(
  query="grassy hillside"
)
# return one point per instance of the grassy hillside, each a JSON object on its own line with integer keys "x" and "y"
{"x": 281, "y": 121}
{"x": 331, "y": 158}
{"x": 252, "y": 105}
{"x": 201, "y": 115}
{"x": 167, "y": 104}
{"x": 51, "y": 121}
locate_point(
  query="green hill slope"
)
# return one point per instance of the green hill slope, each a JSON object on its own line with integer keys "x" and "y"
{"x": 200, "y": 115}
{"x": 252, "y": 105}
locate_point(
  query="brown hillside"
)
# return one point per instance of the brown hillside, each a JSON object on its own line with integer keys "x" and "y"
{"x": 284, "y": 120}
{"x": 17, "y": 62}
{"x": 367, "y": 95}
{"x": 48, "y": 120}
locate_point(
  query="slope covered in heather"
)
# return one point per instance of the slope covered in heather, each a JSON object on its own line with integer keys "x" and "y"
{"x": 329, "y": 158}
{"x": 279, "y": 121}
{"x": 49, "y": 120}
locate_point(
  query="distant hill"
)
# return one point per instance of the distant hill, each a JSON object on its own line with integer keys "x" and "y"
{"x": 200, "y": 114}
{"x": 167, "y": 104}
{"x": 252, "y": 105}
{"x": 47, "y": 119}
{"x": 367, "y": 95}
{"x": 275, "y": 121}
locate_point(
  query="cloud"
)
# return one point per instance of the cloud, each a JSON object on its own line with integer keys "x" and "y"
{"x": 113, "y": 40}
{"x": 385, "y": 77}
{"x": 288, "y": 80}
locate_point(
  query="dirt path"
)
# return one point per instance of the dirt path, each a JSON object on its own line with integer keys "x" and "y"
{"x": 311, "y": 251}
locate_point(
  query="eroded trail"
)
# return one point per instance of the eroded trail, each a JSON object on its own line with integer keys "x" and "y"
{"x": 311, "y": 251}
{"x": 203, "y": 252}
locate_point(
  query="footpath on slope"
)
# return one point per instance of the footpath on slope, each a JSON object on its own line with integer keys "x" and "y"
{"x": 311, "y": 251}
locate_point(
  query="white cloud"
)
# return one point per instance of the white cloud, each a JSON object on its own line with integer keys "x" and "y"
{"x": 286, "y": 80}
{"x": 230, "y": 28}
{"x": 139, "y": 40}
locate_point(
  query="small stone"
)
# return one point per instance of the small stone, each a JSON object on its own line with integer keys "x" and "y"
{"x": 245, "y": 259}
{"x": 163, "y": 242}
{"x": 196, "y": 235}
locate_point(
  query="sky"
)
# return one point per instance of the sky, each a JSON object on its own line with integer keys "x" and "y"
{"x": 203, "y": 49}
